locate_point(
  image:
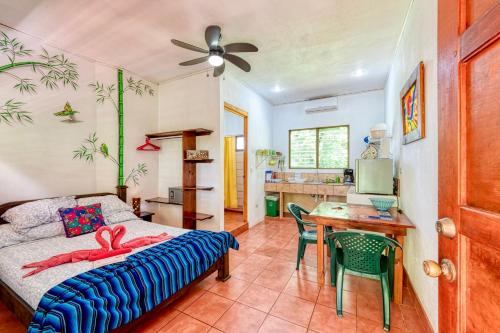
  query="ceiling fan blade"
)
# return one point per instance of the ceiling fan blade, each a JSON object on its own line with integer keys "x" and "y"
{"x": 240, "y": 47}
{"x": 239, "y": 62}
{"x": 188, "y": 46}
{"x": 212, "y": 36}
{"x": 219, "y": 69}
{"x": 194, "y": 61}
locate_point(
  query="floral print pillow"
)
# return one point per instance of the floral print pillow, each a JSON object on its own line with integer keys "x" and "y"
{"x": 81, "y": 220}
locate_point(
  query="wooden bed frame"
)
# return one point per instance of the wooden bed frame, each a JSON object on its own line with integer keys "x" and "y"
{"x": 24, "y": 312}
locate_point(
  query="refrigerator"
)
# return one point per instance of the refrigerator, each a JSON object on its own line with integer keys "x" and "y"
{"x": 374, "y": 176}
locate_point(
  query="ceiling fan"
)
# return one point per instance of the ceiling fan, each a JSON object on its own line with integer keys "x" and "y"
{"x": 216, "y": 54}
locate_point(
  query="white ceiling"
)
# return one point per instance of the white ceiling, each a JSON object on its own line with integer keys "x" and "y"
{"x": 309, "y": 48}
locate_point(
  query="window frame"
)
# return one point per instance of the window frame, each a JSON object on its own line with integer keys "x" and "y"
{"x": 317, "y": 147}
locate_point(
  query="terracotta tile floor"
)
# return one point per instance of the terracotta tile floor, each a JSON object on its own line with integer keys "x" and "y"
{"x": 267, "y": 294}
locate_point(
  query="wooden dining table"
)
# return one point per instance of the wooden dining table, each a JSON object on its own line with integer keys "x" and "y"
{"x": 363, "y": 217}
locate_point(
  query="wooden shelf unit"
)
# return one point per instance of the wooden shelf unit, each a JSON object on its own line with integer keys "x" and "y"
{"x": 162, "y": 201}
{"x": 179, "y": 134}
{"x": 198, "y": 216}
{"x": 207, "y": 160}
{"x": 189, "y": 214}
{"x": 199, "y": 188}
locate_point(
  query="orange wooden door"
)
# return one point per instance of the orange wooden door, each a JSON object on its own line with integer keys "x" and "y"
{"x": 469, "y": 164}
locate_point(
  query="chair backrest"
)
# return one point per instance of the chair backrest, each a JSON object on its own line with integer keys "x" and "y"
{"x": 297, "y": 211}
{"x": 362, "y": 251}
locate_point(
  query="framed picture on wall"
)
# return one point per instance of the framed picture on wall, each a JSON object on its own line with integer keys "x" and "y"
{"x": 413, "y": 106}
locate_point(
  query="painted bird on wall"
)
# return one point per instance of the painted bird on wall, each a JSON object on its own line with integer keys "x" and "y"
{"x": 67, "y": 112}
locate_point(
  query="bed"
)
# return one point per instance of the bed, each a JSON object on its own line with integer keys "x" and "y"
{"x": 23, "y": 296}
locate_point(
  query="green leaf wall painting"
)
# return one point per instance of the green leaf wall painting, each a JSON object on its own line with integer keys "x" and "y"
{"x": 89, "y": 149}
{"x": 52, "y": 70}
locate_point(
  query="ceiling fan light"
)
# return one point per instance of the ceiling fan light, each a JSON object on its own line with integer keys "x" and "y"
{"x": 215, "y": 60}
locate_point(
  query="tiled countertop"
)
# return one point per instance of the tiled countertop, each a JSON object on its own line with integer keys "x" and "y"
{"x": 311, "y": 183}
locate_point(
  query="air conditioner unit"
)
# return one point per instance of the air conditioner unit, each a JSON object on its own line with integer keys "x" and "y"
{"x": 321, "y": 105}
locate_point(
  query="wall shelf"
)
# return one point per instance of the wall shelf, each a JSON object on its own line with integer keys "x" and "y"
{"x": 199, "y": 188}
{"x": 179, "y": 134}
{"x": 207, "y": 160}
{"x": 198, "y": 216}
{"x": 162, "y": 201}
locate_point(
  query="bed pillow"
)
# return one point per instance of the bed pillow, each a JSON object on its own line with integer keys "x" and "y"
{"x": 36, "y": 213}
{"x": 110, "y": 204}
{"x": 9, "y": 237}
{"x": 121, "y": 217}
{"x": 81, "y": 220}
{"x": 48, "y": 230}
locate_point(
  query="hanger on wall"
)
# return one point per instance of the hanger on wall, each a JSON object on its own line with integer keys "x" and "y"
{"x": 148, "y": 146}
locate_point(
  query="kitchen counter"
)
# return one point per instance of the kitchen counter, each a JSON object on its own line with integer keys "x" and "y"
{"x": 310, "y": 183}
{"x": 338, "y": 189}
{"x": 311, "y": 188}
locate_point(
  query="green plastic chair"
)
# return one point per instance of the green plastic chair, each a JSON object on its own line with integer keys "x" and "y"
{"x": 364, "y": 253}
{"x": 306, "y": 236}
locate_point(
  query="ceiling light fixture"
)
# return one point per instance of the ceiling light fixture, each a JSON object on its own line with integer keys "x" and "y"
{"x": 277, "y": 88}
{"x": 359, "y": 72}
{"x": 215, "y": 60}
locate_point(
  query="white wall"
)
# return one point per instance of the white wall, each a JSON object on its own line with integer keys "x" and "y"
{"x": 359, "y": 111}
{"x": 259, "y": 137}
{"x": 417, "y": 162}
{"x": 36, "y": 160}
{"x": 188, "y": 103}
{"x": 233, "y": 124}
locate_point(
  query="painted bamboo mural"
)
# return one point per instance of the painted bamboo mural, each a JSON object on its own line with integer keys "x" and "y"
{"x": 121, "y": 181}
{"x": 52, "y": 70}
{"x": 91, "y": 146}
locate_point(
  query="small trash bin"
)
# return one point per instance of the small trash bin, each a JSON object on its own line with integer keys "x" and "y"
{"x": 272, "y": 205}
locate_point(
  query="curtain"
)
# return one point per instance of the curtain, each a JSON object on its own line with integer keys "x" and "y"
{"x": 230, "y": 190}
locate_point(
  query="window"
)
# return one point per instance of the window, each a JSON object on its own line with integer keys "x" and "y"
{"x": 240, "y": 143}
{"x": 322, "y": 148}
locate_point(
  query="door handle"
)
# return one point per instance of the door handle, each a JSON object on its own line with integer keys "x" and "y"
{"x": 446, "y": 268}
{"x": 446, "y": 227}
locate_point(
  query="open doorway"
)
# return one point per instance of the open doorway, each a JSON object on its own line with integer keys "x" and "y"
{"x": 235, "y": 169}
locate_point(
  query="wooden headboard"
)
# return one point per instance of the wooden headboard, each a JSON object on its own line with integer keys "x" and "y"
{"x": 4, "y": 207}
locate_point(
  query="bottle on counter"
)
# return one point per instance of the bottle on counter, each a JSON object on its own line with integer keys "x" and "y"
{"x": 269, "y": 176}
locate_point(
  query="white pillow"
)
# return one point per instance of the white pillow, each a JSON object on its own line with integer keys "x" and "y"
{"x": 36, "y": 213}
{"x": 9, "y": 237}
{"x": 120, "y": 217}
{"x": 45, "y": 231}
{"x": 110, "y": 204}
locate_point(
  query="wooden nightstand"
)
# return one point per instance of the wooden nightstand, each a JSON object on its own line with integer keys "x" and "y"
{"x": 146, "y": 216}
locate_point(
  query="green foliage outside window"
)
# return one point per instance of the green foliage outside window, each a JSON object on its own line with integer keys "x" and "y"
{"x": 322, "y": 148}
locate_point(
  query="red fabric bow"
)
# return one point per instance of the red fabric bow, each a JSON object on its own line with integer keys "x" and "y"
{"x": 108, "y": 249}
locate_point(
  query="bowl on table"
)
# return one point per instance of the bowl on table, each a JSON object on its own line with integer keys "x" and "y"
{"x": 382, "y": 204}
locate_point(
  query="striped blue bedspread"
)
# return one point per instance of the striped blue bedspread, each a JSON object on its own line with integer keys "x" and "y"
{"x": 107, "y": 297}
